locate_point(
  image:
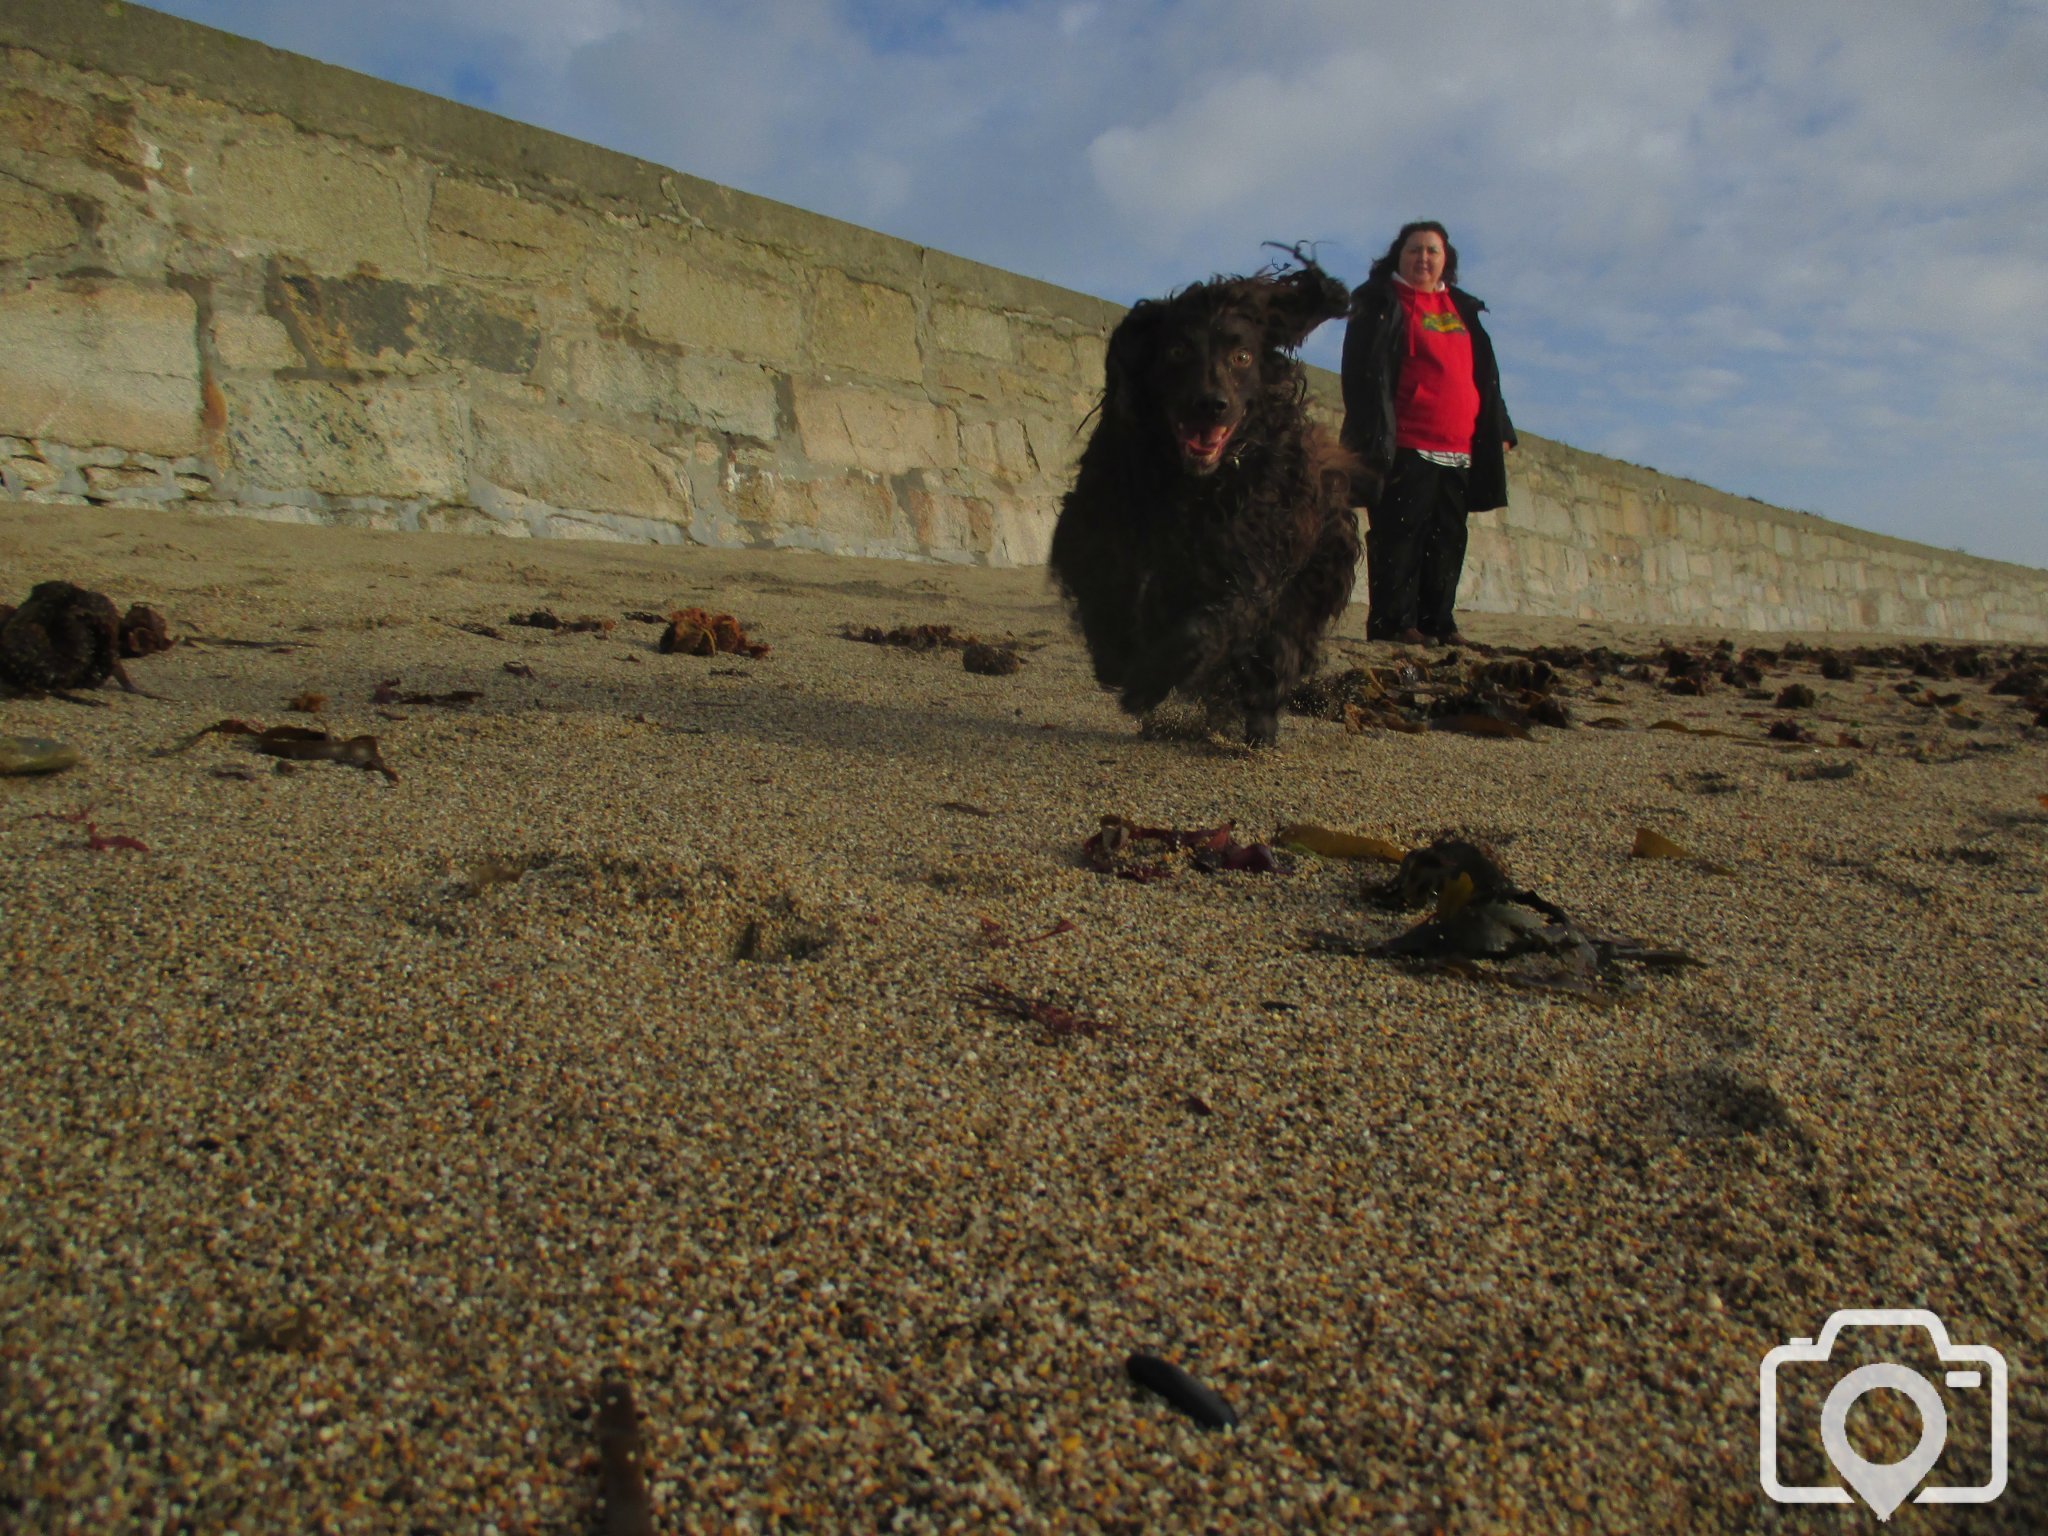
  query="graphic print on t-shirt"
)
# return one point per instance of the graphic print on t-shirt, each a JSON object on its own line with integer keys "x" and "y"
{"x": 1445, "y": 320}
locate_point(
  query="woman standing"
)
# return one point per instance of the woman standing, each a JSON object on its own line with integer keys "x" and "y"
{"x": 1422, "y": 408}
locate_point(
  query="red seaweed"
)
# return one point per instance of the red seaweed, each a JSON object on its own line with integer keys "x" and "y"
{"x": 1059, "y": 1023}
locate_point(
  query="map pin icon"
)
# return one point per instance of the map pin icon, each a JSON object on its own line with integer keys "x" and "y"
{"x": 1884, "y": 1485}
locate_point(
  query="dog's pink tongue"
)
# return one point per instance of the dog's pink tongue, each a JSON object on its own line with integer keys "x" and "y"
{"x": 1208, "y": 442}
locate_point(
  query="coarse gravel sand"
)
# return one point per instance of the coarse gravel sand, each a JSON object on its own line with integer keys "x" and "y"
{"x": 754, "y": 1029}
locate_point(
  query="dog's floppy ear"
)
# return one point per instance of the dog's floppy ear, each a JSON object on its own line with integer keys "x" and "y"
{"x": 1129, "y": 355}
{"x": 1299, "y": 301}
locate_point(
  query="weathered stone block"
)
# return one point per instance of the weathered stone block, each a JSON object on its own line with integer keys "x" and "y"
{"x": 857, "y": 509}
{"x": 32, "y": 221}
{"x": 971, "y": 378}
{"x": 1529, "y": 514}
{"x": 129, "y": 482}
{"x": 967, "y": 328}
{"x": 331, "y": 207}
{"x": 946, "y": 523}
{"x": 253, "y": 342}
{"x": 1016, "y": 386}
{"x": 725, "y": 396}
{"x": 483, "y": 231}
{"x": 1633, "y": 520}
{"x": 606, "y": 278}
{"x": 1048, "y": 351}
{"x": 688, "y": 305}
{"x": 1022, "y": 531}
{"x": 93, "y": 362}
{"x": 1055, "y": 446}
{"x": 101, "y": 136}
{"x": 864, "y": 328}
{"x": 978, "y": 446}
{"x": 853, "y": 512}
{"x": 713, "y": 392}
{"x": 349, "y": 439}
{"x": 374, "y": 325}
{"x": 576, "y": 465}
{"x": 44, "y": 125}
{"x": 867, "y": 429}
{"x": 999, "y": 448}
{"x": 32, "y": 474}
{"x": 1091, "y": 351}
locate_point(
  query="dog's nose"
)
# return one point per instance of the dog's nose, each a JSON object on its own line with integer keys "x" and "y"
{"x": 1211, "y": 407}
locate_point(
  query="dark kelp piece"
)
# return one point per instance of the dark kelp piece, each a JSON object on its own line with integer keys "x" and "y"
{"x": 1427, "y": 873}
{"x": 990, "y": 660}
{"x": 1476, "y": 723}
{"x": 143, "y": 631}
{"x": 62, "y": 637}
{"x": 298, "y": 742}
{"x": 1502, "y": 698}
{"x": 622, "y": 1478}
{"x": 232, "y": 642}
{"x": 912, "y": 637}
{"x": 1568, "y": 957}
{"x": 293, "y": 1330}
{"x": 1481, "y": 915}
{"x": 1181, "y": 1391}
{"x": 1059, "y": 1023}
{"x": 547, "y": 618}
{"x": 302, "y": 745}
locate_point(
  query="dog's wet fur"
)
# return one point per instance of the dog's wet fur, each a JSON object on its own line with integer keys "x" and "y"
{"x": 1208, "y": 542}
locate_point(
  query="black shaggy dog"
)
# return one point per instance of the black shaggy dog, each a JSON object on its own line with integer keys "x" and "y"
{"x": 1208, "y": 541}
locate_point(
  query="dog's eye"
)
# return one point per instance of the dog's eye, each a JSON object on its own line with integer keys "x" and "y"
{"x": 1177, "y": 353}
{"x": 1241, "y": 358}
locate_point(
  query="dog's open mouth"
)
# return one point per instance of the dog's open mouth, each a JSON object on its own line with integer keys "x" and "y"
{"x": 1202, "y": 447}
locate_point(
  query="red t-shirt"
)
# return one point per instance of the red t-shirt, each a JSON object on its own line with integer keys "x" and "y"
{"x": 1436, "y": 405}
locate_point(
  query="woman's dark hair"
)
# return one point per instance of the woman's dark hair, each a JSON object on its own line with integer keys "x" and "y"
{"x": 1391, "y": 262}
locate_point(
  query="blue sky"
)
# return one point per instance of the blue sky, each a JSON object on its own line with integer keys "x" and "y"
{"x": 1799, "y": 252}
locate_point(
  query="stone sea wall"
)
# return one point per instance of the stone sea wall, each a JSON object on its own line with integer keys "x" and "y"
{"x": 237, "y": 280}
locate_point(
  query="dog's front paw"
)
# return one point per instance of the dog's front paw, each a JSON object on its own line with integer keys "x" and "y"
{"x": 1261, "y": 728}
{"x": 1144, "y": 695}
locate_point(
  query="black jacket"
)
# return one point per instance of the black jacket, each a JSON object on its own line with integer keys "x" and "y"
{"x": 1373, "y": 351}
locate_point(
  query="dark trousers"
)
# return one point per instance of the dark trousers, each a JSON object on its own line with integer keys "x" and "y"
{"x": 1415, "y": 549}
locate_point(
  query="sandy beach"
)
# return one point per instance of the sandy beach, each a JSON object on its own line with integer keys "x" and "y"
{"x": 754, "y": 1029}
